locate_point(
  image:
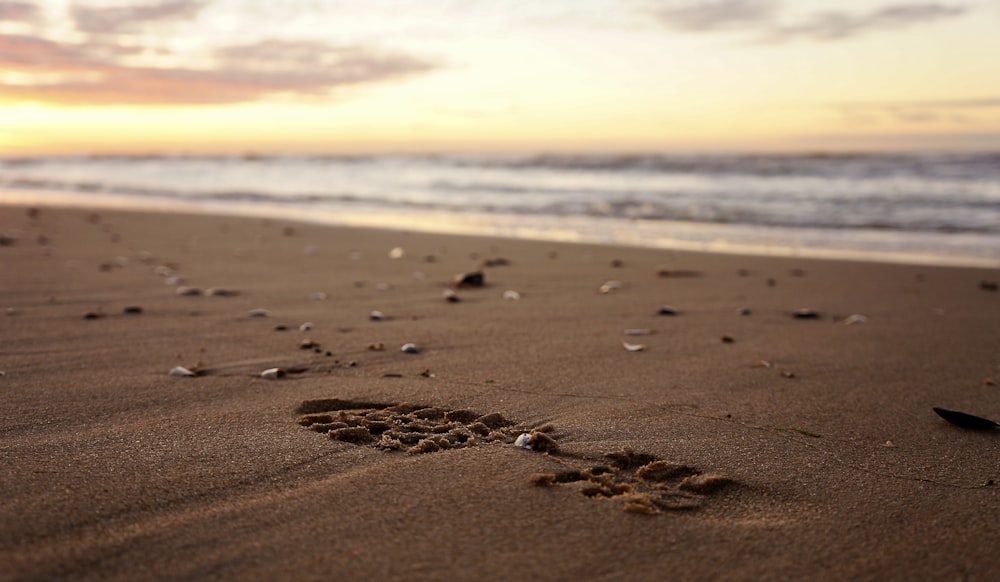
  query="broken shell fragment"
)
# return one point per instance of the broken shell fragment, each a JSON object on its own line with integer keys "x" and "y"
{"x": 221, "y": 292}
{"x": 522, "y": 441}
{"x": 450, "y": 296}
{"x": 181, "y": 372}
{"x": 856, "y": 318}
{"x": 132, "y": 310}
{"x": 511, "y": 295}
{"x": 464, "y": 280}
{"x": 410, "y": 349}
{"x": 258, "y": 313}
{"x": 397, "y": 253}
{"x": 306, "y": 326}
{"x": 376, "y": 316}
{"x": 317, "y": 296}
{"x": 633, "y": 347}
{"x": 273, "y": 374}
{"x": 172, "y": 281}
{"x": 188, "y": 291}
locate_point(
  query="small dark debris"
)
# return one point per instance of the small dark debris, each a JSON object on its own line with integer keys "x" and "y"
{"x": 464, "y": 280}
{"x": 965, "y": 420}
{"x": 307, "y": 344}
{"x": 728, "y": 339}
{"x": 805, "y": 314}
{"x": 281, "y": 328}
{"x": 744, "y": 311}
{"x": 771, "y": 283}
{"x": 988, "y": 285}
{"x": 392, "y": 375}
{"x": 667, "y": 310}
{"x": 617, "y": 263}
{"x": 497, "y": 262}
{"x": 132, "y": 310}
{"x": 93, "y": 315}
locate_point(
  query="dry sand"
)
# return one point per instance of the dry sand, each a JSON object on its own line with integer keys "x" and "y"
{"x": 825, "y": 463}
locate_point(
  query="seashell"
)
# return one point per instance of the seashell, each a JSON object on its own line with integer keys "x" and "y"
{"x": 377, "y": 347}
{"x": 474, "y": 279}
{"x": 188, "y": 291}
{"x": 308, "y": 344}
{"x": 318, "y": 296}
{"x": 306, "y": 326}
{"x": 668, "y": 310}
{"x": 610, "y": 286}
{"x": 450, "y": 296}
{"x": 221, "y": 292}
{"x": 258, "y": 313}
{"x": 856, "y": 318}
{"x": 511, "y": 295}
{"x": 181, "y": 372}
{"x": 273, "y": 374}
{"x": 132, "y": 310}
{"x": 964, "y": 420}
{"x": 523, "y": 441}
{"x": 805, "y": 314}
{"x": 410, "y": 349}
{"x": 633, "y": 347}
{"x": 376, "y": 315}
{"x": 397, "y": 253}
{"x": 638, "y": 331}
{"x": 173, "y": 280}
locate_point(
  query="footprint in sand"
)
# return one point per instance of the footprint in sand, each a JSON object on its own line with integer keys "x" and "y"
{"x": 644, "y": 483}
{"x": 404, "y": 427}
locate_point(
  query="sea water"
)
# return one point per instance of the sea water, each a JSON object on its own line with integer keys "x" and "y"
{"x": 936, "y": 208}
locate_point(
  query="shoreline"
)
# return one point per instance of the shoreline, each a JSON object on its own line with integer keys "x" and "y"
{"x": 741, "y": 240}
{"x": 741, "y": 442}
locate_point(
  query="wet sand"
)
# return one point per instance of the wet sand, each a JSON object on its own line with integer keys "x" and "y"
{"x": 731, "y": 446}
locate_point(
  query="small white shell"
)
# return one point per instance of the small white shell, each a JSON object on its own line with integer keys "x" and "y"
{"x": 318, "y": 296}
{"x": 856, "y": 318}
{"x": 181, "y": 372}
{"x": 410, "y": 349}
{"x": 610, "y": 286}
{"x": 188, "y": 291}
{"x": 272, "y": 374}
{"x": 376, "y": 315}
{"x": 306, "y": 326}
{"x": 258, "y": 313}
{"x": 523, "y": 440}
{"x": 397, "y": 253}
{"x": 633, "y": 347}
{"x": 511, "y": 295}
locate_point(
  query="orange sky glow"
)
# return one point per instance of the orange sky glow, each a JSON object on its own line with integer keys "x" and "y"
{"x": 221, "y": 76}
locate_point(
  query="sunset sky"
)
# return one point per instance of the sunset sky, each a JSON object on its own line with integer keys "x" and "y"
{"x": 236, "y": 76}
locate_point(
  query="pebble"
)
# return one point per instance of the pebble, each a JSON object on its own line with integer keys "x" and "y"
{"x": 511, "y": 295}
{"x": 376, "y": 315}
{"x": 410, "y": 349}
{"x": 273, "y": 374}
{"x": 188, "y": 291}
{"x": 856, "y": 318}
{"x": 132, "y": 310}
{"x": 450, "y": 296}
{"x": 474, "y": 279}
{"x": 221, "y": 292}
{"x": 181, "y": 372}
{"x": 92, "y": 315}
{"x": 397, "y": 253}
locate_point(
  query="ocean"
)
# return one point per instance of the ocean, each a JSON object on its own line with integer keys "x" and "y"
{"x": 917, "y": 208}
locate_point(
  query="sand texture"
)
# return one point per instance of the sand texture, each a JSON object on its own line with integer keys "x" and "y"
{"x": 567, "y": 431}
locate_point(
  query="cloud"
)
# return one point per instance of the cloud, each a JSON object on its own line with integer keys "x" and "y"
{"x": 762, "y": 19}
{"x": 88, "y": 74}
{"x": 18, "y": 12}
{"x": 948, "y": 111}
{"x": 715, "y": 15}
{"x": 838, "y": 25}
{"x": 118, "y": 19}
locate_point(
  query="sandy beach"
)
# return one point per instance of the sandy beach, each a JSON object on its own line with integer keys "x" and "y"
{"x": 733, "y": 441}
